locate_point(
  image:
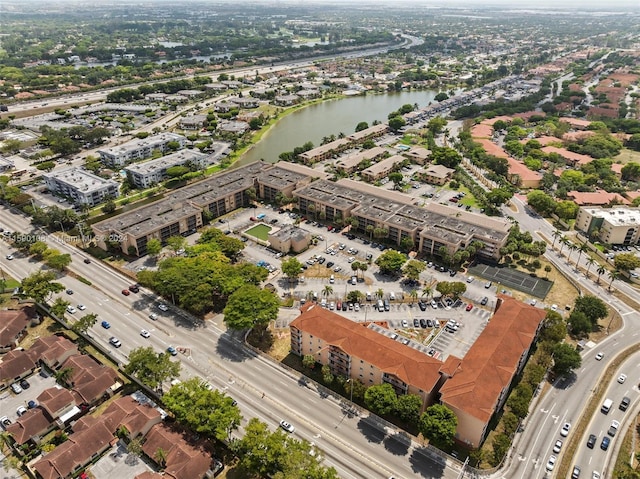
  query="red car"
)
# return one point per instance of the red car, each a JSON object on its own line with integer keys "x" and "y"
{"x": 469, "y": 307}
{"x": 126, "y": 292}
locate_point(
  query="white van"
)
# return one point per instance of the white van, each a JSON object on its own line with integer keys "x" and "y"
{"x": 380, "y": 305}
{"x": 606, "y": 406}
{"x": 369, "y": 296}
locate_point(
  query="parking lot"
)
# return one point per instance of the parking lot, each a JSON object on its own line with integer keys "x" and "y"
{"x": 10, "y": 401}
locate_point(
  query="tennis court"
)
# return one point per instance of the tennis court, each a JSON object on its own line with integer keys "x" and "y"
{"x": 511, "y": 278}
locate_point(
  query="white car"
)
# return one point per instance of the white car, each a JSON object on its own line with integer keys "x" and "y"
{"x": 286, "y": 426}
{"x": 144, "y": 333}
{"x": 81, "y": 307}
{"x": 16, "y": 388}
{"x": 551, "y": 463}
{"x": 557, "y": 446}
{"x": 599, "y": 356}
{"x": 622, "y": 378}
{"x": 163, "y": 307}
{"x": 71, "y": 309}
{"x": 564, "y": 432}
{"x": 21, "y": 411}
{"x": 9, "y": 257}
{"x": 595, "y": 475}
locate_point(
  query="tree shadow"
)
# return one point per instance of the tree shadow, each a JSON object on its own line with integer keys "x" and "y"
{"x": 370, "y": 432}
{"x": 228, "y": 349}
{"x": 397, "y": 444}
{"x": 426, "y": 463}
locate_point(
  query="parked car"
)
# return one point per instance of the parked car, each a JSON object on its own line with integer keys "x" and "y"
{"x": 21, "y": 411}
{"x": 24, "y": 384}
{"x": 422, "y": 305}
{"x": 15, "y": 387}
{"x": 484, "y": 301}
{"x": 469, "y": 307}
{"x": 163, "y": 307}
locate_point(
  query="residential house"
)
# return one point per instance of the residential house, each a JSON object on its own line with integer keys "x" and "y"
{"x": 179, "y": 458}
{"x": 351, "y": 162}
{"x": 522, "y": 176}
{"x": 417, "y": 154}
{"x": 596, "y": 198}
{"x": 13, "y": 326}
{"x": 436, "y": 174}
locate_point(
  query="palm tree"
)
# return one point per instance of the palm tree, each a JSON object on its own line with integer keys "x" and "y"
{"x": 414, "y": 295}
{"x": 379, "y": 293}
{"x": 590, "y": 262}
{"x": 369, "y": 229}
{"x": 64, "y": 375}
{"x": 327, "y": 291}
{"x": 601, "y": 270}
{"x": 556, "y": 234}
{"x": 563, "y": 242}
{"x": 583, "y": 248}
{"x": 427, "y": 291}
{"x": 363, "y": 267}
{"x": 572, "y": 248}
{"x": 615, "y": 274}
{"x": 160, "y": 456}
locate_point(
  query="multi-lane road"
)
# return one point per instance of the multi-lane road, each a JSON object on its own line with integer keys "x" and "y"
{"x": 357, "y": 446}
{"x": 566, "y": 399}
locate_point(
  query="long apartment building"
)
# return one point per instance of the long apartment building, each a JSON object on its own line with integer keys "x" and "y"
{"x": 81, "y": 186}
{"x": 430, "y": 228}
{"x": 325, "y": 151}
{"x": 474, "y": 387}
{"x": 181, "y": 213}
{"x": 140, "y": 149}
{"x": 148, "y": 173}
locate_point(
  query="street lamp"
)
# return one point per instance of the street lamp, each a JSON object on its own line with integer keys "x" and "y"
{"x": 350, "y": 387}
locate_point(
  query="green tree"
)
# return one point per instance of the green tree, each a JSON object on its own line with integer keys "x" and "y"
{"x": 38, "y": 249}
{"x": 82, "y": 325}
{"x": 413, "y": 268}
{"x": 40, "y": 285}
{"x": 59, "y": 307}
{"x": 327, "y": 375}
{"x": 565, "y": 359}
{"x": 308, "y": 361}
{"x": 446, "y": 156}
{"x": 396, "y": 123}
{"x": 250, "y": 306}
{"x": 154, "y": 246}
{"x": 397, "y": 178}
{"x": 391, "y": 261}
{"x": 109, "y": 206}
{"x": 541, "y": 202}
{"x": 626, "y": 261}
{"x": 500, "y": 445}
{"x": 580, "y": 324}
{"x": 152, "y": 368}
{"x": 58, "y": 261}
{"x": 292, "y": 268}
{"x": 593, "y": 307}
{"x": 519, "y": 400}
{"x": 176, "y": 243}
{"x": 438, "y": 424}
{"x": 408, "y": 408}
{"x": 206, "y": 411}
{"x": 554, "y": 328}
{"x": 381, "y": 399}
{"x": 498, "y": 196}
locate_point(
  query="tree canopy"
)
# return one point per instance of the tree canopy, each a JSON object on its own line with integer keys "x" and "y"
{"x": 40, "y": 285}
{"x": 251, "y": 306}
{"x": 205, "y": 410}
{"x": 381, "y": 398}
{"x": 391, "y": 261}
{"x": 438, "y": 424}
{"x": 565, "y": 359}
{"x": 276, "y": 454}
{"x": 151, "y": 367}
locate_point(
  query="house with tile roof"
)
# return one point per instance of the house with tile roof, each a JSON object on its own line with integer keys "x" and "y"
{"x": 596, "y": 198}
{"x": 31, "y": 426}
{"x": 13, "y": 327}
{"x": 181, "y": 459}
{"x": 569, "y": 156}
{"x": 478, "y": 387}
{"x": 91, "y": 380}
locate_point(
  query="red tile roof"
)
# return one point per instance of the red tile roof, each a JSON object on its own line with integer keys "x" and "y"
{"x": 481, "y": 131}
{"x": 518, "y": 168}
{"x": 570, "y": 156}
{"x": 34, "y": 423}
{"x": 408, "y": 364}
{"x": 595, "y": 198}
{"x": 12, "y": 322}
{"x": 491, "y": 148}
{"x": 183, "y": 460}
{"x": 491, "y": 363}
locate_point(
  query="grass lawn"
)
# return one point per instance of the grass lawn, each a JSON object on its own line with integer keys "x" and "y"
{"x": 627, "y": 156}
{"x": 260, "y": 231}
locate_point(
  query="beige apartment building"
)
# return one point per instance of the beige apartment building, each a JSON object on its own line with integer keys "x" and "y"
{"x": 478, "y": 387}
{"x": 355, "y": 351}
{"x": 429, "y": 228}
{"x": 436, "y": 174}
{"x": 350, "y": 163}
{"x": 615, "y": 226}
{"x": 381, "y": 169}
{"x": 474, "y": 387}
